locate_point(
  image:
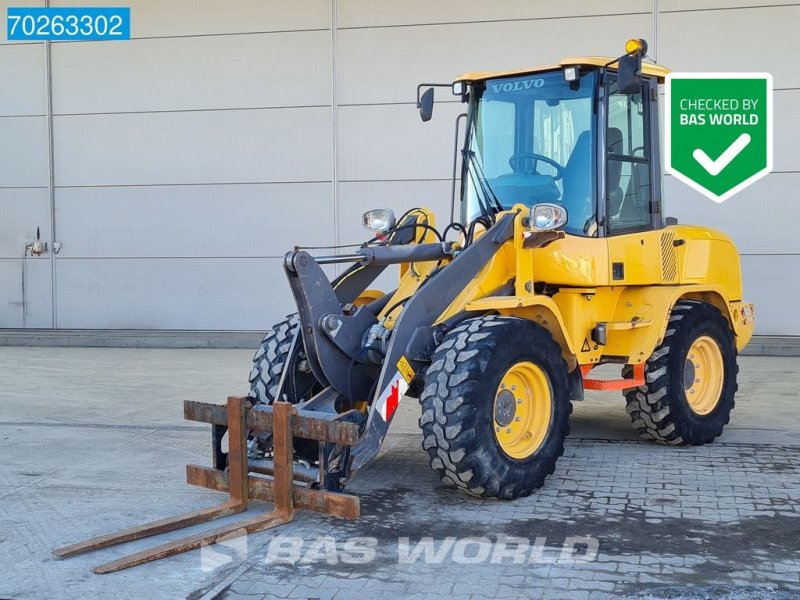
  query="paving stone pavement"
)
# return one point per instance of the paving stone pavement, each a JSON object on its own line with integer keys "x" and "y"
{"x": 93, "y": 439}
{"x": 720, "y": 520}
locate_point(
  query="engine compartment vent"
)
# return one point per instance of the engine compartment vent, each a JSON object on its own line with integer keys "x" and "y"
{"x": 669, "y": 259}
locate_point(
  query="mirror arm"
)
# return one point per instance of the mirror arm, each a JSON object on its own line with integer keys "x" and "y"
{"x": 428, "y": 85}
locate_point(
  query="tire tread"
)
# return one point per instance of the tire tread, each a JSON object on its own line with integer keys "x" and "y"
{"x": 453, "y": 445}
{"x": 652, "y": 407}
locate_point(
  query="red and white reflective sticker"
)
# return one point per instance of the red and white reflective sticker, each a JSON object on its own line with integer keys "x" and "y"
{"x": 389, "y": 399}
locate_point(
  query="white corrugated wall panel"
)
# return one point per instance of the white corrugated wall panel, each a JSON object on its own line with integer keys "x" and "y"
{"x": 189, "y": 159}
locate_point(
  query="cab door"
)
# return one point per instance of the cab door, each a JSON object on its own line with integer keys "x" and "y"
{"x": 632, "y": 185}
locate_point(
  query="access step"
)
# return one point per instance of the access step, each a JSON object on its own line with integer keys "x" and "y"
{"x": 608, "y": 385}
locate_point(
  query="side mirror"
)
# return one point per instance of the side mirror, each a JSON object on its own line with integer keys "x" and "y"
{"x": 629, "y": 67}
{"x": 425, "y": 105}
{"x": 629, "y": 74}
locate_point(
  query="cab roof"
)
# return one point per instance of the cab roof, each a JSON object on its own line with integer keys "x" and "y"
{"x": 651, "y": 69}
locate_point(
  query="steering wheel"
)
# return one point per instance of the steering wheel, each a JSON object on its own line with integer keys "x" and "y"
{"x": 518, "y": 161}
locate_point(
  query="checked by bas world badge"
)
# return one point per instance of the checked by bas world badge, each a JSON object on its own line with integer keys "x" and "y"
{"x": 719, "y": 130}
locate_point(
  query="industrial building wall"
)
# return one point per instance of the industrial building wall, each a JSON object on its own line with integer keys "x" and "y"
{"x": 182, "y": 164}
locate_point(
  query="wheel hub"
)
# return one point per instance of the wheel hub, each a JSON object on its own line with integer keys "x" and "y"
{"x": 688, "y": 374}
{"x": 505, "y": 407}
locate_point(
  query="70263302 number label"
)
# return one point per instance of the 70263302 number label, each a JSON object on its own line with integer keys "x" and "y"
{"x": 68, "y": 23}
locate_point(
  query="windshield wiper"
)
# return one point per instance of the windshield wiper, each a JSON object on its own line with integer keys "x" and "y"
{"x": 487, "y": 199}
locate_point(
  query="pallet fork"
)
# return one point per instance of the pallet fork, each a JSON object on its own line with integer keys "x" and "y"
{"x": 231, "y": 473}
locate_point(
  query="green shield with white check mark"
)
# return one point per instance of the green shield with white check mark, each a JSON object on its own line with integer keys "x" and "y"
{"x": 719, "y": 130}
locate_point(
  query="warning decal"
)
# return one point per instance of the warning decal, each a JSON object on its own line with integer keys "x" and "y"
{"x": 405, "y": 369}
{"x": 389, "y": 399}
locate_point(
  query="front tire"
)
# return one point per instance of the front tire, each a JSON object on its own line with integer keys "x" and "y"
{"x": 270, "y": 360}
{"x": 495, "y": 407}
{"x": 690, "y": 379}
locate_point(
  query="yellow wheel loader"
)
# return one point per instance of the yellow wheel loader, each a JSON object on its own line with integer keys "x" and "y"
{"x": 561, "y": 260}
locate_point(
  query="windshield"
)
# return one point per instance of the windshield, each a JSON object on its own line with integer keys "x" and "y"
{"x": 531, "y": 140}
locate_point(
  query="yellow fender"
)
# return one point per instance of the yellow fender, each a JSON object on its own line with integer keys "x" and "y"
{"x": 637, "y": 326}
{"x": 654, "y": 304}
{"x": 536, "y": 308}
{"x": 368, "y": 296}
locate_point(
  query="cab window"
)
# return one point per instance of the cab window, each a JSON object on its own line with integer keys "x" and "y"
{"x": 531, "y": 140}
{"x": 628, "y": 187}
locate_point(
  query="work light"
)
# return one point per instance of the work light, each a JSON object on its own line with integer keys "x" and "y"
{"x": 571, "y": 74}
{"x": 378, "y": 219}
{"x": 545, "y": 217}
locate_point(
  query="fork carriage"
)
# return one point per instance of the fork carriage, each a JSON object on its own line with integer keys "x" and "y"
{"x": 277, "y": 480}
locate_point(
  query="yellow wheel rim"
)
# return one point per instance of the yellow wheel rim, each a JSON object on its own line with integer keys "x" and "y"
{"x": 703, "y": 374}
{"x": 523, "y": 408}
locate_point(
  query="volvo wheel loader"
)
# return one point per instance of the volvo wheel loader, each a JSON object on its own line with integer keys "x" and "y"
{"x": 561, "y": 259}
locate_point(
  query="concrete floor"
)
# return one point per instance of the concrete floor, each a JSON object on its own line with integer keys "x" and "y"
{"x": 92, "y": 440}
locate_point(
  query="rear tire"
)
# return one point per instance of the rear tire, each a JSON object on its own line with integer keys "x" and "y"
{"x": 461, "y": 407}
{"x": 685, "y": 401}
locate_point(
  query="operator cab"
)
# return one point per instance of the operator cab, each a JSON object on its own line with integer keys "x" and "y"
{"x": 567, "y": 135}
